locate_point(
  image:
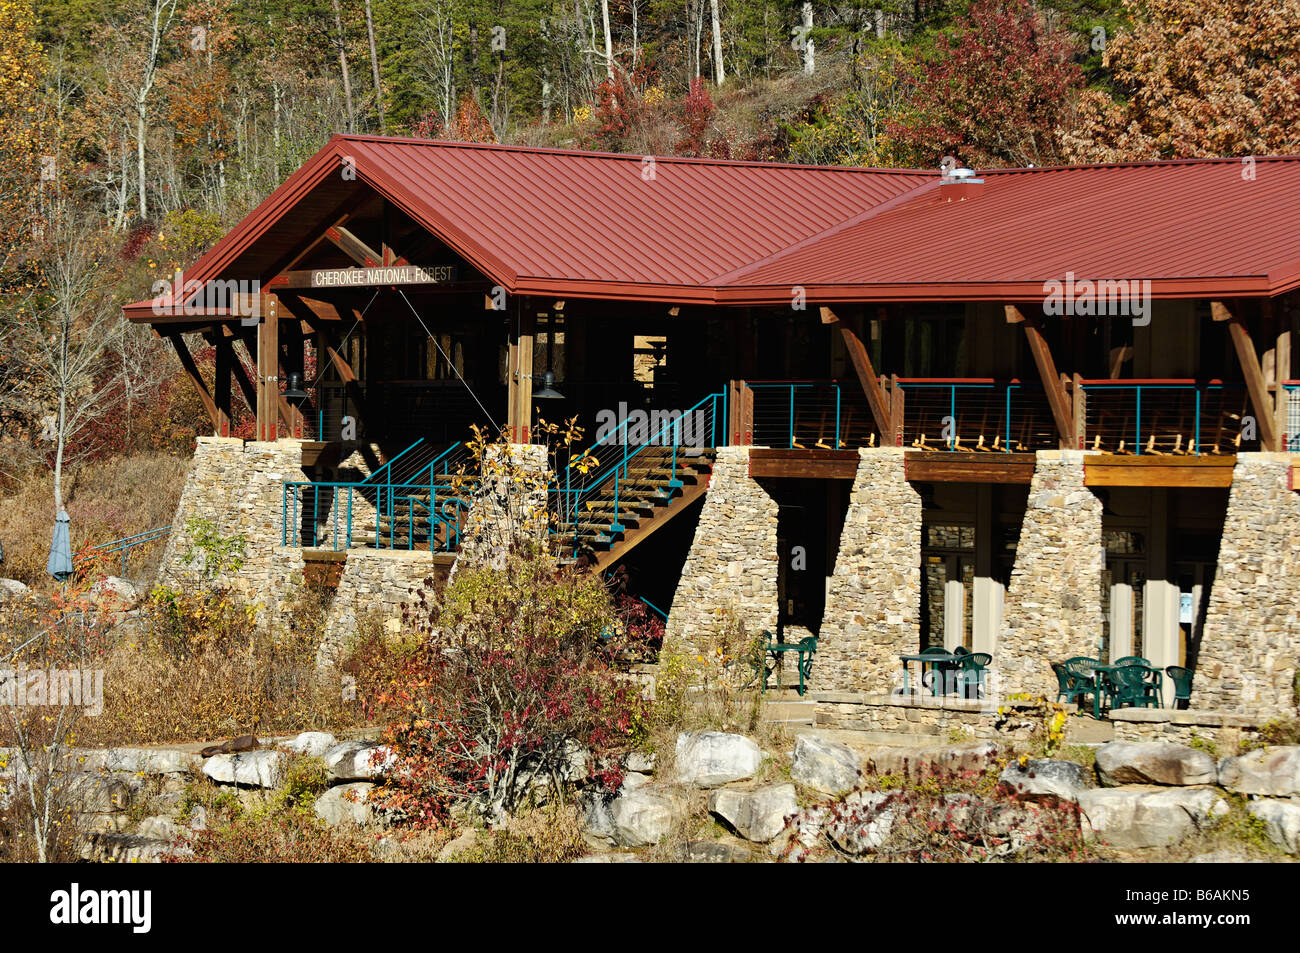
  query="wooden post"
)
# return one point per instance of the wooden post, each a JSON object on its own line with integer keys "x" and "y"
{"x": 221, "y": 385}
{"x": 519, "y": 415}
{"x": 1057, "y": 399}
{"x": 1080, "y": 411}
{"x": 1242, "y": 343}
{"x": 880, "y": 410}
{"x": 268, "y": 377}
{"x": 1281, "y": 372}
{"x": 896, "y": 411}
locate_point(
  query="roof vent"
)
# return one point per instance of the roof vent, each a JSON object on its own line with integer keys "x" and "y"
{"x": 958, "y": 185}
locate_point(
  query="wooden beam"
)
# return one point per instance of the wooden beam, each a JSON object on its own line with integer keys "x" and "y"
{"x": 804, "y": 464}
{"x": 1057, "y": 398}
{"x": 922, "y": 466}
{"x": 1281, "y": 372}
{"x": 1244, "y": 345}
{"x": 896, "y": 413}
{"x": 241, "y": 376}
{"x": 866, "y": 373}
{"x": 221, "y": 385}
{"x": 1207, "y": 471}
{"x": 353, "y": 247}
{"x": 192, "y": 372}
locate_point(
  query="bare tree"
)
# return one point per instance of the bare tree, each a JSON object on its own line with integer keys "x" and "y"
{"x": 719, "y": 74}
{"x": 340, "y": 41}
{"x": 155, "y": 23}
{"x": 374, "y": 68}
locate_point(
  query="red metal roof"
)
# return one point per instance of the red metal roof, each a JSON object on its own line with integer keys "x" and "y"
{"x": 1193, "y": 228}
{"x": 582, "y": 224}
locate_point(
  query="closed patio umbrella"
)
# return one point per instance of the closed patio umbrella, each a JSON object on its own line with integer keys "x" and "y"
{"x": 60, "y": 564}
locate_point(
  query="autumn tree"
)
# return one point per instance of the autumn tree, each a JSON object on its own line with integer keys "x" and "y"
{"x": 1197, "y": 78}
{"x": 995, "y": 94}
{"x": 23, "y": 133}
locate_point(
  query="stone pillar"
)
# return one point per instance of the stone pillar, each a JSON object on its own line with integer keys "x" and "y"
{"x": 238, "y": 487}
{"x": 508, "y": 506}
{"x": 873, "y": 606}
{"x": 1248, "y": 655}
{"x": 732, "y": 562}
{"x": 1053, "y": 605}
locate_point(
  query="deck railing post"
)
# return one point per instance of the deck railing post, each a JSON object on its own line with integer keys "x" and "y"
{"x": 1137, "y": 422}
{"x": 1197, "y": 438}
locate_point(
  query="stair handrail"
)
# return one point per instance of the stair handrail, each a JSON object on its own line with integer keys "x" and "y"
{"x": 373, "y": 479}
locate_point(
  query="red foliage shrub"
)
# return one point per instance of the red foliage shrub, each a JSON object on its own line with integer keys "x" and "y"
{"x": 697, "y": 110}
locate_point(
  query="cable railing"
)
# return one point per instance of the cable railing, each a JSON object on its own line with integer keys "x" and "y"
{"x": 1291, "y": 439}
{"x": 1166, "y": 417}
{"x": 645, "y": 443}
{"x": 976, "y": 414}
{"x": 803, "y": 415}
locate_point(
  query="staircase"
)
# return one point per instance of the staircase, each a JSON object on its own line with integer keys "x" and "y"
{"x": 625, "y": 510}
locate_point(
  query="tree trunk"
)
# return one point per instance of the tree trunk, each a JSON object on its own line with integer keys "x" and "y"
{"x": 609, "y": 44}
{"x": 719, "y": 74}
{"x": 374, "y": 68}
{"x": 340, "y": 39}
{"x": 809, "y": 53}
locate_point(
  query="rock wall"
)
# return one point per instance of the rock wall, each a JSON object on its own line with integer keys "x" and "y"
{"x": 874, "y": 600}
{"x": 376, "y": 584}
{"x": 1053, "y": 604}
{"x": 1224, "y": 730}
{"x": 238, "y": 487}
{"x": 1251, "y": 646}
{"x": 931, "y": 718}
{"x": 732, "y": 562}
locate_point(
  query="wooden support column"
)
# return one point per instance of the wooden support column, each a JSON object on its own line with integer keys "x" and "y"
{"x": 1057, "y": 399}
{"x": 1281, "y": 372}
{"x": 246, "y": 386}
{"x": 1079, "y": 405}
{"x": 740, "y": 413}
{"x": 294, "y": 360}
{"x": 880, "y": 409}
{"x": 1244, "y": 345}
{"x": 519, "y": 411}
{"x": 896, "y": 413}
{"x": 268, "y": 377}
{"x": 221, "y": 385}
{"x": 192, "y": 372}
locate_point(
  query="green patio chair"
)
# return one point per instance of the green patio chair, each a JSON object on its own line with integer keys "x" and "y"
{"x": 970, "y": 674}
{"x": 1131, "y": 660}
{"x": 1082, "y": 669}
{"x": 1133, "y": 687}
{"x": 939, "y": 671}
{"x": 1070, "y": 687}
{"x": 961, "y": 650}
{"x": 1182, "y": 685}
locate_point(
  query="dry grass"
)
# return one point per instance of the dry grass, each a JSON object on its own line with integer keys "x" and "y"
{"x": 106, "y": 500}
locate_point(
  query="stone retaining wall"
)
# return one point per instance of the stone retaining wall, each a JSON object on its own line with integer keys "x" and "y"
{"x": 1224, "y": 730}
{"x": 1053, "y": 604}
{"x": 1250, "y": 650}
{"x": 945, "y": 718}
{"x": 873, "y": 602}
{"x": 732, "y": 562}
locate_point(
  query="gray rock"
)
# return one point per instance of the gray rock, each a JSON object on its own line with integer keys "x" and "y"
{"x": 459, "y": 845}
{"x": 124, "y": 592}
{"x": 1154, "y": 762}
{"x": 1283, "y": 821}
{"x": 12, "y": 589}
{"x": 863, "y": 822}
{"x": 708, "y": 759}
{"x": 154, "y": 761}
{"x": 314, "y": 744}
{"x": 930, "y": 759}
{"x": 825, "y": 766}
{"x": 257, "y": 769}
{"x": 642, "y": 762}
{"x": 158, "y": 827}
{"x": 632, "y": 781}
{"x": 643, "y": 817}
{"x": 615, "y": 857}
{"x": 106, "y": 793}
{"x": 1045, "y": 778}
{"x": 1274, "y": 772}
{"x": 596, "y": 820}
{"x": 757, "y": 815}
{"x": 336, "y": 806}
{"x": 711, "y": 852}
{"x": 1147, "y": 817}
{"x": 358, "y": 761}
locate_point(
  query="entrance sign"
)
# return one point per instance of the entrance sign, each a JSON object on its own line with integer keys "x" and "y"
{"x": 389, "y": 275}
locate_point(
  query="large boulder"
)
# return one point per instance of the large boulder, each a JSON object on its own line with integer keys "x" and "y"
{"x": 755, "y": 815}
{"x": 825, "y": 766}
{"x": 1282, "y": 819}
{"x": 154, "y": 761}
{"x": 643, "y": 817}
{"x": 358, "y": 761}
{"x": 711, "y": 852}
{"x": 12, "y": 589}
{"x": 1147, "y": 817}
{"x": 255, "y": 769}
{"x": 314, "y": 744}
{"x": 1154, "y": 762}
{"x": 116, "y": 592}
{"x": 346, "y": 803}
{"x": 862, "y": 822}
{"x": 1274, "y": 772}
{"x": 708, "y": 759}
{"x": 1043, "y": 779}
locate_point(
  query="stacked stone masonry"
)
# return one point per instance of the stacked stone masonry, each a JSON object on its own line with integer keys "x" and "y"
{"x": 1053, "y": 604}
{"x": 732, "y": 563}
{"x": 873, "y": 601}
{"x": 1248, "y": 657}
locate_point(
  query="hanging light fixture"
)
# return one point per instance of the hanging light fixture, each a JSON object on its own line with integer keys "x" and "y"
{"x": 294, "y": 393}
{"x": 548, "y": 391}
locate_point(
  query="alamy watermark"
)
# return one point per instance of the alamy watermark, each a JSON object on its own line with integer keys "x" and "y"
{"x": 53, "y": 687}
{"x": 1105, "y": 297}
{"x": 657, "y": 428}
{"x": 187, "y": 296}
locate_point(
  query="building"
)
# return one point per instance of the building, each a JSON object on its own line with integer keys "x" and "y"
{"x": 1036, "y": 412}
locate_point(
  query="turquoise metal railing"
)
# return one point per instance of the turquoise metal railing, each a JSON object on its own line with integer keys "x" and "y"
{"x": 123, "y": 545}
{"x": 803, "y": 414}
{"x": 604, "y": 469}
{"x": 979, "y": 414}
{"x": 1166, "y": 416}
{"x": 1291, "y": 439}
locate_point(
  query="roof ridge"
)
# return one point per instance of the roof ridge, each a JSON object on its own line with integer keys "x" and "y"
{"x": 1138, "y": 164}
{"x": 630, "y": 156}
